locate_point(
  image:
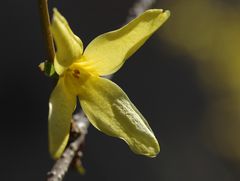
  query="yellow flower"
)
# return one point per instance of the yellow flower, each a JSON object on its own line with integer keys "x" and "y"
{"x": 105, "y": 104}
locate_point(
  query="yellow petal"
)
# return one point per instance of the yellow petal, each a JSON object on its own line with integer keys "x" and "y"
{"x": 61, "y": 107}
{"x": 109, "y": 109}
{"x": 109, "y": 51}
{"x": 69, "y": 46}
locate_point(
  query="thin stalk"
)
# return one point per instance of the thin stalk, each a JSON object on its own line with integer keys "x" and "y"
{"x": 44, "y": 14}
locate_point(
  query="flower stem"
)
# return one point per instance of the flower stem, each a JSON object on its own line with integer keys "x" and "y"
{"x": 44, "y": 14}
{"x": 73, "y": 152}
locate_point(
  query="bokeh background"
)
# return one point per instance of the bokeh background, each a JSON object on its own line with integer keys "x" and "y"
{"x": 185, "y": 80}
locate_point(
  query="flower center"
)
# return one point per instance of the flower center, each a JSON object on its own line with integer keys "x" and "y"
{"x": 76, "y": 73}
{"x": 82, "y": 69}
{"x": 76, "y": 76}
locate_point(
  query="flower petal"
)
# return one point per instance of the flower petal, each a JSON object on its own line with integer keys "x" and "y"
{"x": 109, "y": 109}
{"x": 61, "y": 107}
{"x": 69, "y": 46}
{"x": 109, "y": 51}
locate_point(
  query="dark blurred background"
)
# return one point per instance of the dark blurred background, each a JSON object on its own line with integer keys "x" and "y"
{"x": 185, "y": 80}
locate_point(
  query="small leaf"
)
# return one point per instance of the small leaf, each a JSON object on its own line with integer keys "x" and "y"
{"x": 79, "y": 167}
{"x": 48, "y": 68}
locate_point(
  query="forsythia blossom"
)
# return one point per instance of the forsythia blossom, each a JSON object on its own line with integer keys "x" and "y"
{"x": 105, "y": 104}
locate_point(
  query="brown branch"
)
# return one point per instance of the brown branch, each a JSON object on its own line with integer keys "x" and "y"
{"x": 79, "y": 130}
{"x": 80, "y": 123}
{"x": 44, "y": 15}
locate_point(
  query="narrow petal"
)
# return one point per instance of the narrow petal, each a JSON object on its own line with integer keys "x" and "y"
{"x": 69, "y": 46}
{"x": 109, "y": 109}
{"x": 109, "y": 51}
{"x": 61, "y": 107}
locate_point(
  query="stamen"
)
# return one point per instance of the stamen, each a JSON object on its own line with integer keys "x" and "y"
{"x": 76, "y": 73}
